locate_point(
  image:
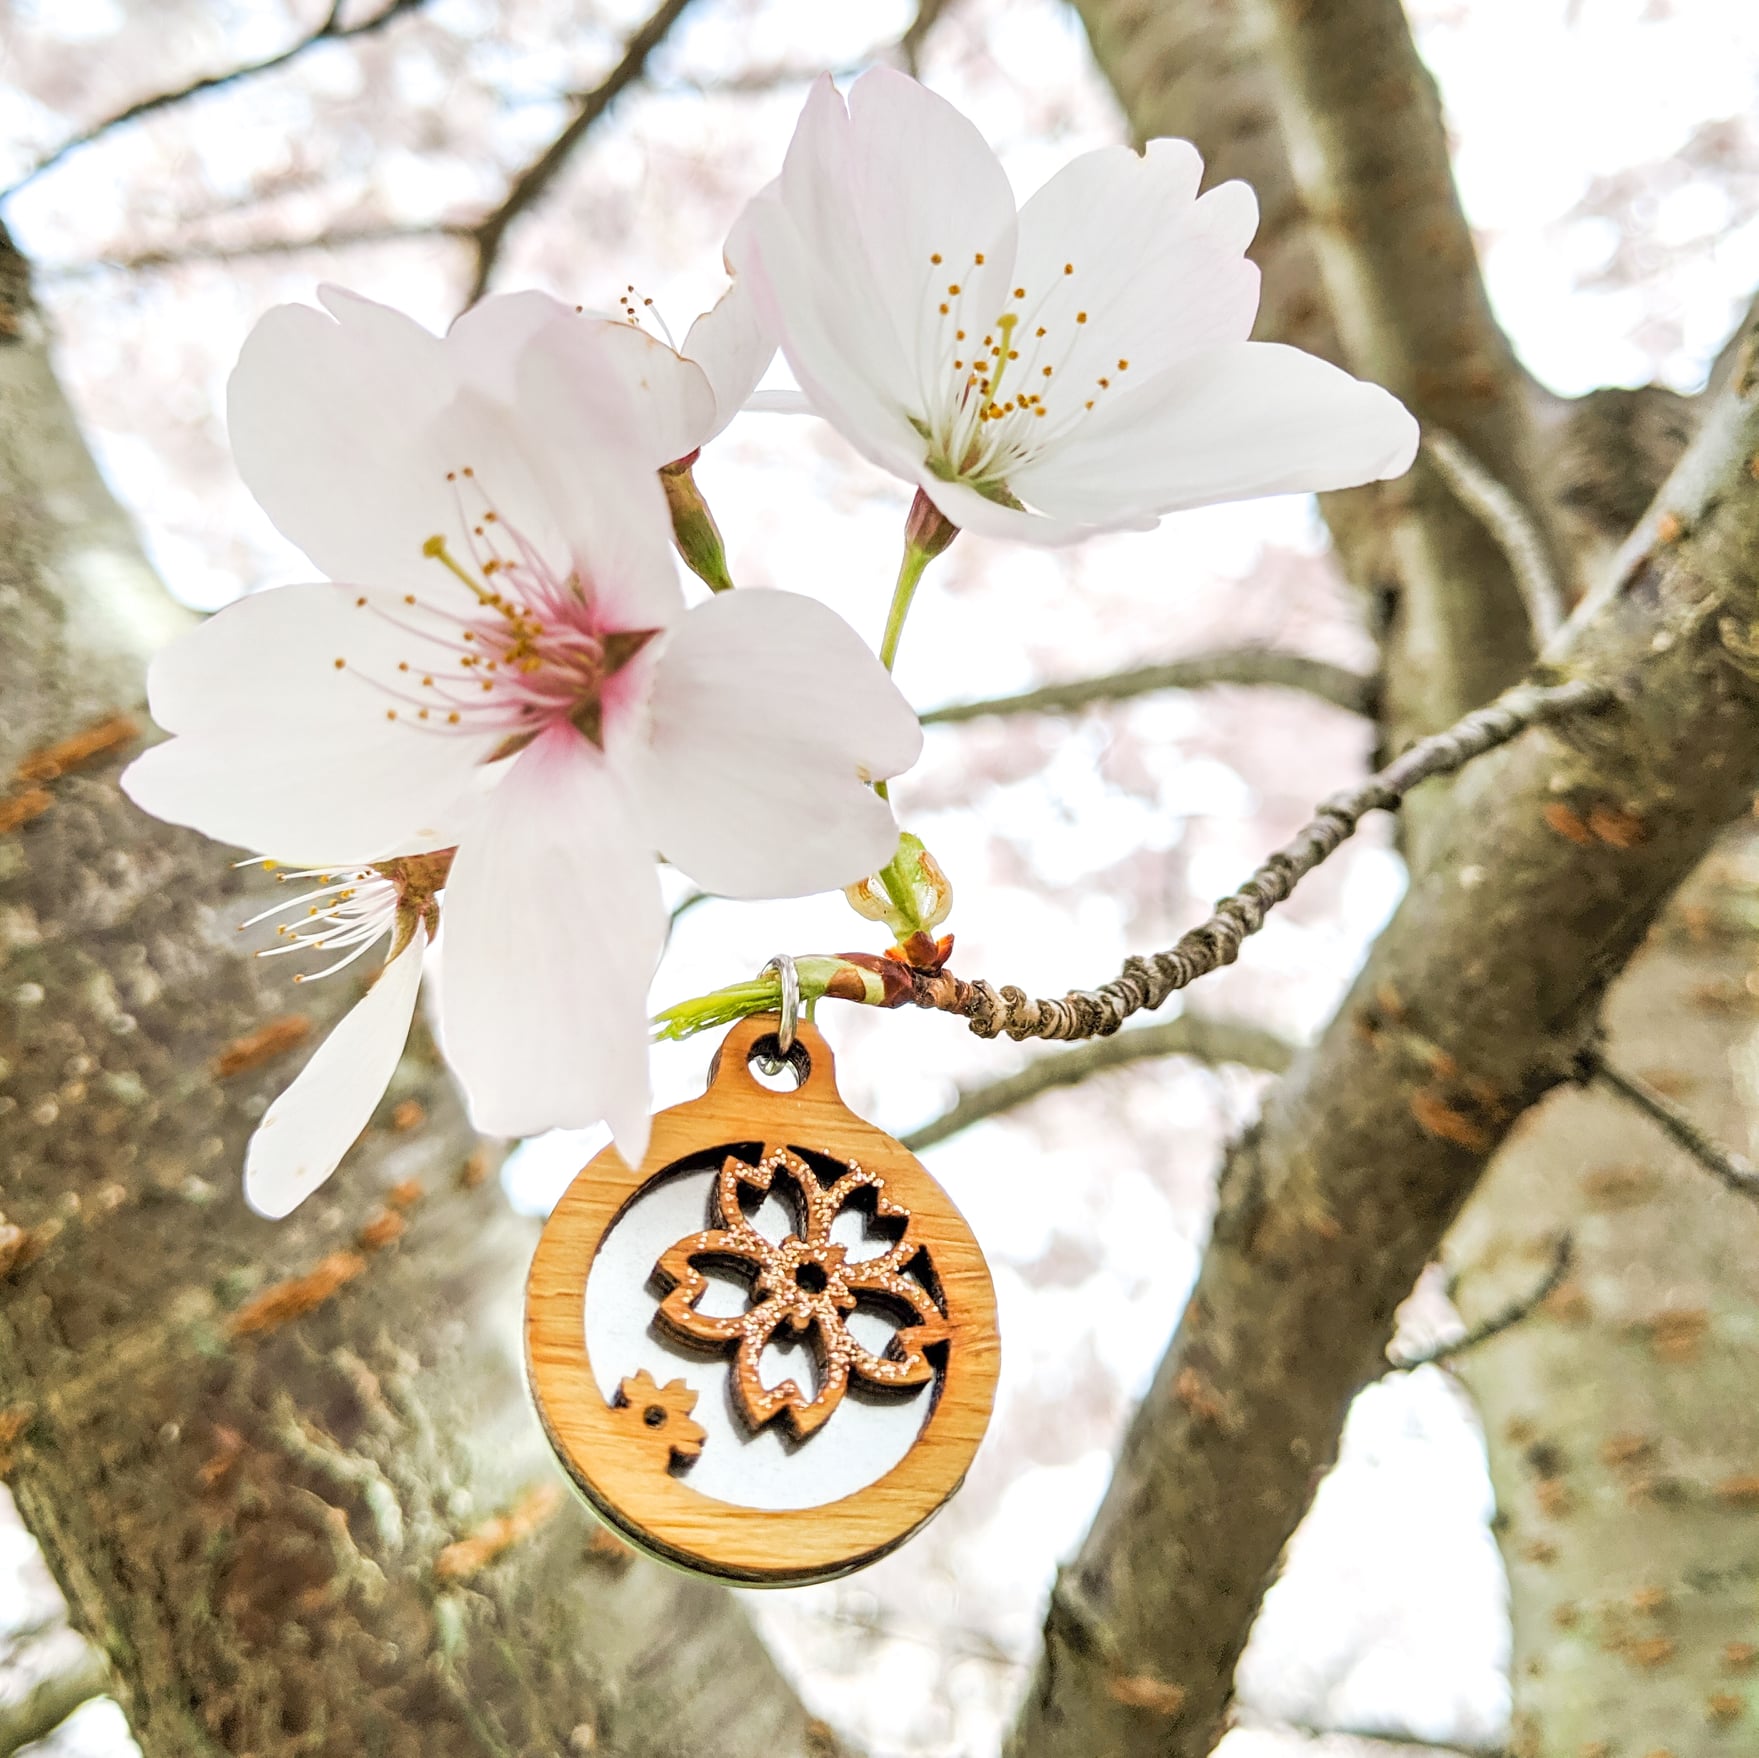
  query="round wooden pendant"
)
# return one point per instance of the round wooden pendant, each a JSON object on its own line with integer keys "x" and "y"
{"x": 769, "y": 1354}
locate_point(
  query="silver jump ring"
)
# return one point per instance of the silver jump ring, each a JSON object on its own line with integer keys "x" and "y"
{"x": 783, "y": 965}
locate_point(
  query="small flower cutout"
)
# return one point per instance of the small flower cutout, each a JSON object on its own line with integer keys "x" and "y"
{"x": 807, "y": 1282}
{"x": 661, "y": 1415}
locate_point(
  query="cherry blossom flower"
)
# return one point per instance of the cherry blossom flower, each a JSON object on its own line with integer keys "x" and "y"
{"x": 307, "y": 1130}
{"x": 505, "y": 665}
{"x": 1080, "y": 364}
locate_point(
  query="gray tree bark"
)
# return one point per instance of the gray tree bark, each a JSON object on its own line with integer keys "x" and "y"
{"x": 286, "y": 1474}
{"x": 1623, "y": 1430}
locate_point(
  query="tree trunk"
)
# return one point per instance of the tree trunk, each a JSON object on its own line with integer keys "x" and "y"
{"x": 1621, "y": 1418}
{"x": 286, "y": 1474}
{"x": 1243, "y": 79}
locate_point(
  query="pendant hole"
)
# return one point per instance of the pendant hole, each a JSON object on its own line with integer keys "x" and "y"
{"x": 811, "y": 1277}
{"x": 654, "y": 1416}
{"x": 779, "y": 1073}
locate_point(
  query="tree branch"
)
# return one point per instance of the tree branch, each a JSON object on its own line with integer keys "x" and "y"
{"x": 1201, "y": 1037}
{"x": 1336, "y": 684}
{"x": 1732, "y": 1170}
{"x": 51, "y": 1700}
{"x": 342, "y": 236}
{"x": 332, "y": 30}
{"x": 1370, "y": 157}
{"x": 1147, "y": 982}
{"x": 1556, "y": 855}
{"x": 916, "y": 34}
{"x": 489, "y": 233}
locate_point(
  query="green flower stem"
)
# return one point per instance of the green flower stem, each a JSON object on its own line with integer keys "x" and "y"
{"x": 819, "y": 975}
{"x": 916, "y": 559}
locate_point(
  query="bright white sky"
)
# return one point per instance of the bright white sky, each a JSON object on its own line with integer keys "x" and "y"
{"x": 1069, "y": 844}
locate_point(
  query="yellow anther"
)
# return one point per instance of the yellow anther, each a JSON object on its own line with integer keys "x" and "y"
{"x": 340, "y": 664}
{"x": 936, "y": 257}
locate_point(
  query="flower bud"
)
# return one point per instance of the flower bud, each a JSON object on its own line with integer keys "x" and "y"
{"x": 694, "y": 530}
{"x": 910, "y": 893}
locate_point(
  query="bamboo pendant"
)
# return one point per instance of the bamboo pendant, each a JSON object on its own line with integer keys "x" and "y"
{"x": 769, "y": 1354}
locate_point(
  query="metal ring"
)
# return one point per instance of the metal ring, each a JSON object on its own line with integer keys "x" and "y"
{"x": 783, "y": 965}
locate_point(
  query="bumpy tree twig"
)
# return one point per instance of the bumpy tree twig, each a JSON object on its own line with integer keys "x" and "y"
{"x": 332, "y": 30}
{"x": 1147, "y": 982}
{"x": 1336, "y": 684}
{"x": 1194, "y": 1035}
{"x": 1738, "y": 1174}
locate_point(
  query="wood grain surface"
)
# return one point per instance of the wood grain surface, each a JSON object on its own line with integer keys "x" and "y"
{"x": 621, "y": 1457}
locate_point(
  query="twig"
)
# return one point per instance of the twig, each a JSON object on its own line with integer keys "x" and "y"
{"x": 1336, "y": 684}
{"x": 1147, "y": 982}
{"x": 490, "y": 231}
{"x": 1195, "y": 1035}
{"x": 683, "y": 907}
{"x": 332, "y": 30}
{"x": 1738, "y": 1174}
{"x": 339, "y": 237}
{"x": 1562, "y": 1260}
{"x": 1521, "y": 541}
{"x": 51, "y": 1700}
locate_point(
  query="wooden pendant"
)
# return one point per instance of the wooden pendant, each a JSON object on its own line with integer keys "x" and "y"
{"x": 762, "y": 1222}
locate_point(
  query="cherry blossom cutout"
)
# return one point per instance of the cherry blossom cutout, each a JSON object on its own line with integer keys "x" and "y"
{"x": 806, "y": 1283}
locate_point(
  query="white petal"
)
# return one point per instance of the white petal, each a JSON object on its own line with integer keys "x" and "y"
{"x": 927, "y": 184}
{"x": 553, "y": 929}
{"x": 780, "y": 401}
{"x": 305, "y": 1133}
{"x": 281, "y": 750}
{"x": 326, "y": 417}
{"x": 1157, "y": 274}
{"x": 733, "y": 346}
{"x": 851, "y": 371}
{"x": 766, "y": 712}
{"x": 671, "y": 402}
{"x": 1255, "y": 418}
{"x": 841, "y": 253}
{"x": 593, "y": 453}
{"x": 362, "y": 436}
{"x": 484, "y": 343}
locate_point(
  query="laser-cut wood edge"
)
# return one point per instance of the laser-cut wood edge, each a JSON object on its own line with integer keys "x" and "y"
{"x": 661, "y": 1513}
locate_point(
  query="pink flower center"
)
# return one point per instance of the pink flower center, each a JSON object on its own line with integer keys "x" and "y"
{"x": 526, "y": 652}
